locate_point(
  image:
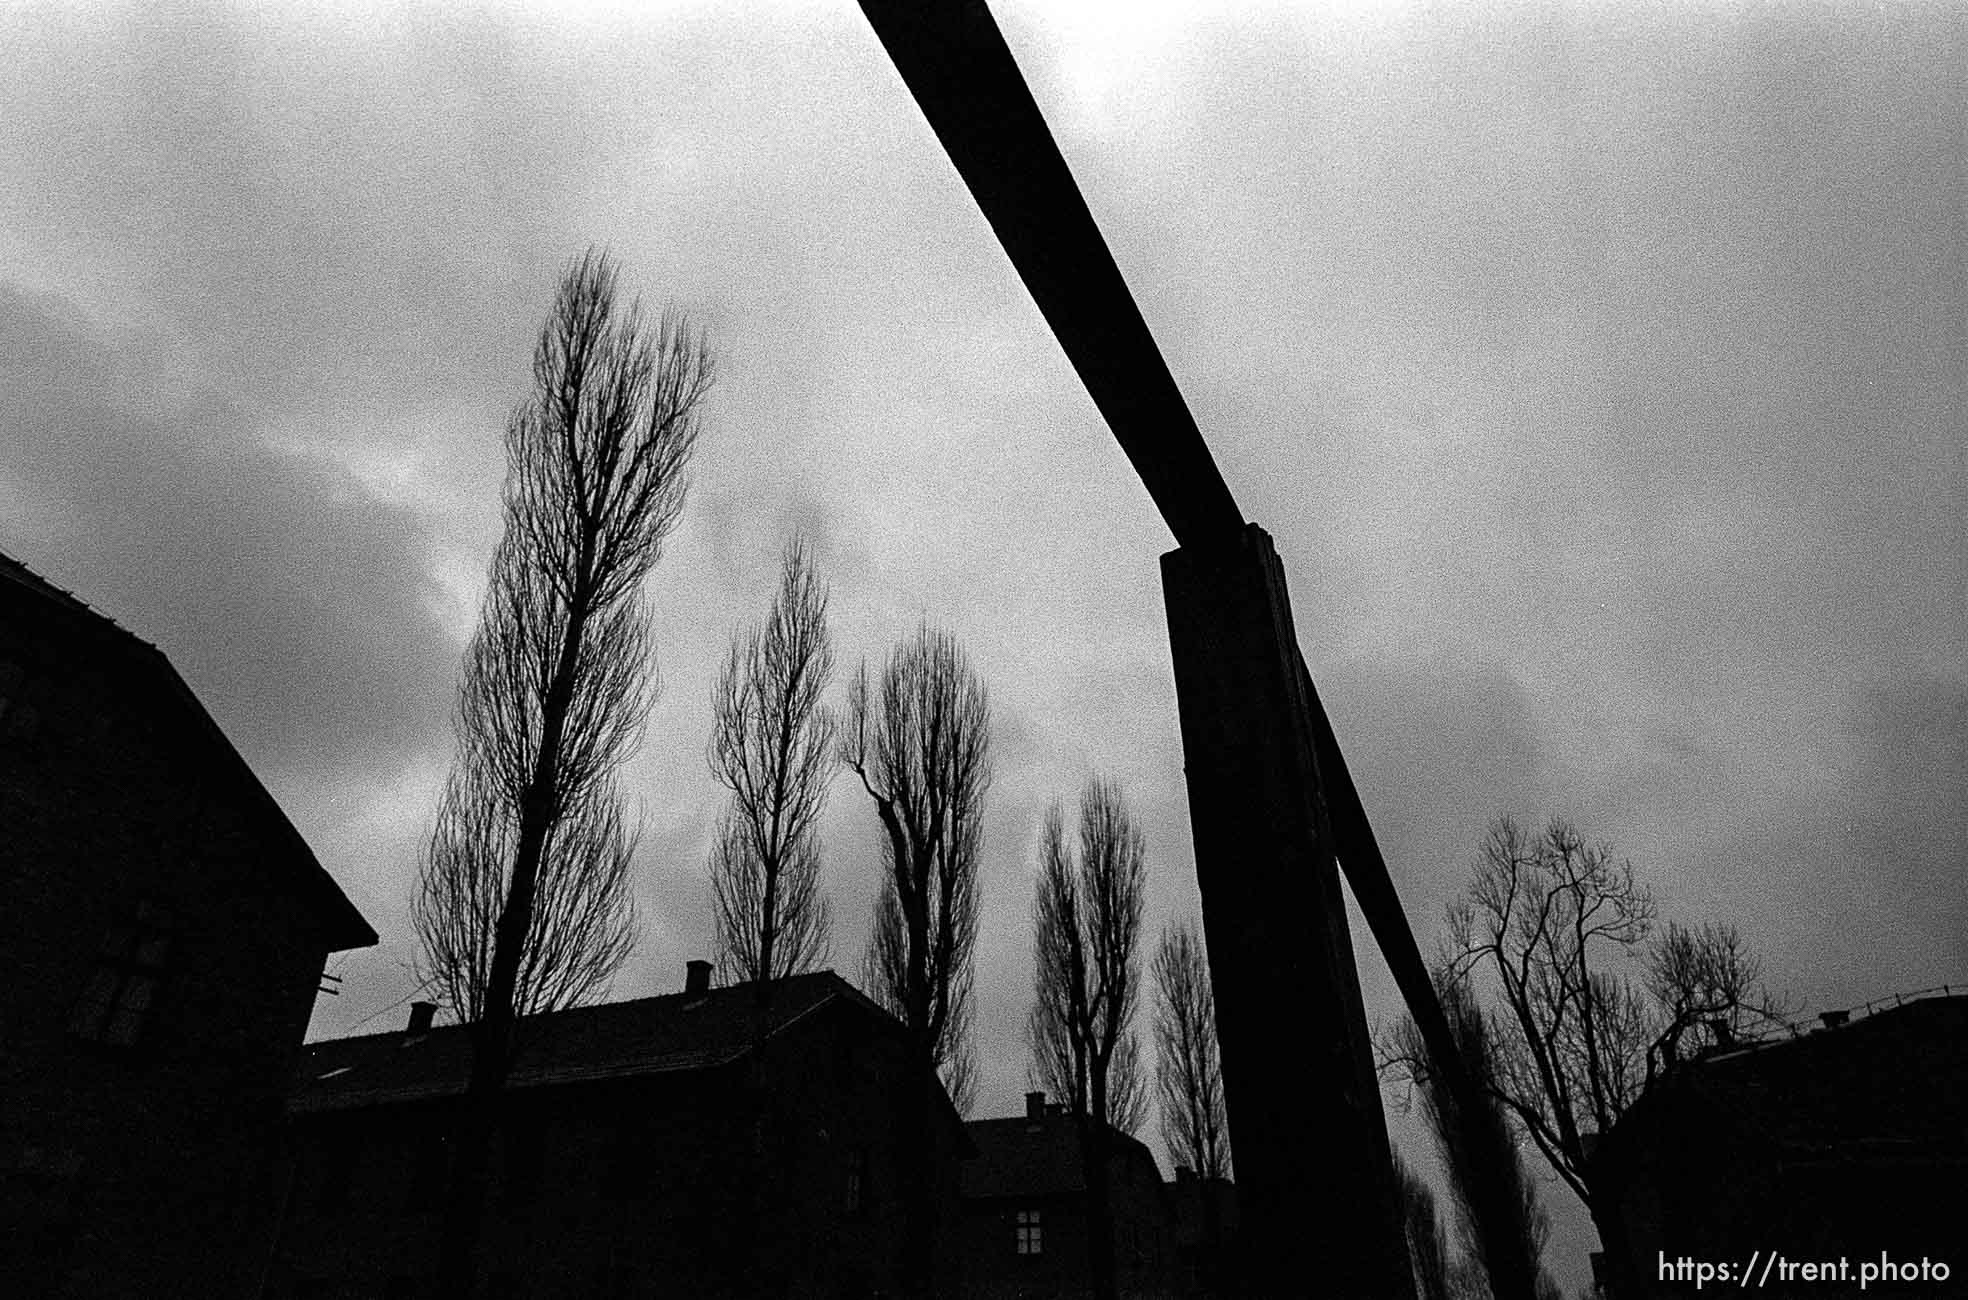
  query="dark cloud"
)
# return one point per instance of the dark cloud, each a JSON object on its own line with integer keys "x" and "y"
{"x": 298, "y": 606}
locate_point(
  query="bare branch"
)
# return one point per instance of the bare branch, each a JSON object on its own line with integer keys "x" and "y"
{"x": 1540, "y": 919}
{"x": 523, "y": 903}
{"x": 1486, "y": 1175}
{"x": 921, "y": 745}
{"x": 1551, "y": 925}
{"x": 1705, "y": 983}
{"x": 772, "y": 745}
{"x": 1189, "y": 1069}
{"x": 1086, "y": 937}
{"x": 1428, "y": 1248}
{"x": 922, "y": 750}
{"x": 1086, "y": 932}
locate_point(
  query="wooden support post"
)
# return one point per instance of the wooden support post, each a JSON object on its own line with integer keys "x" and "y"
{"x": 1316, "y": 1197}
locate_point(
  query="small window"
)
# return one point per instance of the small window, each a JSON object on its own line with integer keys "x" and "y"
{"x": 1031, "y": 1240}
{"x": 121, "y": 994}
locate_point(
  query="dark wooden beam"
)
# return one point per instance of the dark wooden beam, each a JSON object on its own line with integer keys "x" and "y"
{"x": 1315, "y": 1185}
{"x": 1366, "y": 872}
{"x": 956, "y": 64}
{"x": 1252, "y": 722}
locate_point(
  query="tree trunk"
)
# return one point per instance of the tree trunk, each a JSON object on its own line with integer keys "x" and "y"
{"x": 1210, "y": 1257}
{"x": 470, "y": 1174}
{"x": 492, "y": 1037}
{"x": 917, "y": 1171}
{"x": 1620, "y": 1283}
{"x": 1102, "y": 1283}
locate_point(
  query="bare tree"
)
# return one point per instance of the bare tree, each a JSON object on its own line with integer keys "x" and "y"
{"x": 1705, "y": 981}
{"x": 921, "y": 745}
{"x": 1547, "y": 920}
{"x": 885, "y": 969}
{"x": 583, "y": 923}
{"x": 1086, "y": 941}
{"x": 521, "y": 903}
{"x": 1549, "y": 924}
{"x": 1188, "y": 1068}
{"x": 1189, "y": 1077}
{"x": 1479, "y": 1152}
{"x": 1428, "y": 1248}
{"x": 772, "y": 747}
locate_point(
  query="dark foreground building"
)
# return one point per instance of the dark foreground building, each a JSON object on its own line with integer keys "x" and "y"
{"x": 703, "y": 1143}
{"x": 1025, "y": 1222}
{"x": 1205, "y": 1234}
{"x": 162, "y": 937}
{"x": 1846, "y": 1144}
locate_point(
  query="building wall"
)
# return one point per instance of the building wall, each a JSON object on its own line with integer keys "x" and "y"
{"x": 1144, "y": 1230}
{"x": 735, "y": 1181}
{"x": 1833, "y": 1146}
{"x": 994, "y": 1268}
{"x": 134, "y": 1169}
{"x": 1205, "y": 1212}
{"x": 1144, "y": 1246}
{"x": 1711, "y": 1197}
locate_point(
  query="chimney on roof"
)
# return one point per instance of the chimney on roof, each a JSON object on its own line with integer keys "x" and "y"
{"x": 1833, "y": 1019}
{"x": 697, "y": 976}
{"x": 420, "y": 1017}
{"x": 1034, "y": 1105}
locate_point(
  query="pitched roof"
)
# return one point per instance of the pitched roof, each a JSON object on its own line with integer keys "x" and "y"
{"x": 1034, "y": 1156}
{"x": 659, "y": 1035}
{"x": 1889, "y": 1084}
{"x": 347, "y": 928}
{"x": 12, "y": 570}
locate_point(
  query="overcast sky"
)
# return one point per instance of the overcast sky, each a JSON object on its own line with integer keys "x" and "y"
{"x": 1597, "y": 369}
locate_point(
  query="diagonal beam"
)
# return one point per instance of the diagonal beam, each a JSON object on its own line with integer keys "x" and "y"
{"x": 1493, "y": 1201}
{"x": 963, "y": 77}
{"x": 956, "y": 64}
{"x": 1307, "y": 1130}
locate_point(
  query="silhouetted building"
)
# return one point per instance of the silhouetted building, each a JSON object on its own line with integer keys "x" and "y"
{"x": 1025, "y": 1226}
{"x": 161, "y": 941}
{"x": 696, "y": 1144}
{"x": 1841, "y": 1143}
{"x": 1205, "y": 1233}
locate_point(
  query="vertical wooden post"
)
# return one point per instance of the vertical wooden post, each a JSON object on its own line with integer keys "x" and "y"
{"x": 1316, "y": 1198}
